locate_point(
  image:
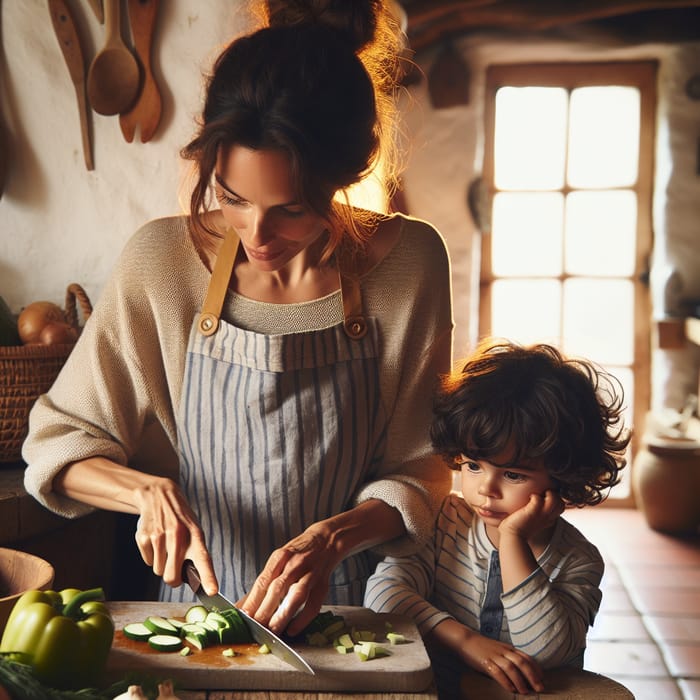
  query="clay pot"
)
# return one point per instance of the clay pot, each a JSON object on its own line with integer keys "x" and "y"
{"x": 666, "y": 484}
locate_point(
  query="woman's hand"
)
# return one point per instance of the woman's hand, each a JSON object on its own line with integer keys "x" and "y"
{"x": 294, "y": 582}
{"x": 297, "y": 575}
{"x": 168, "y": 533}
{"x": 508, "y": 666}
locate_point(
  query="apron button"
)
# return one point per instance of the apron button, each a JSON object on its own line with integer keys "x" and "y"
{"x": 208, "y": 324}
{"x": 356, "y": 327}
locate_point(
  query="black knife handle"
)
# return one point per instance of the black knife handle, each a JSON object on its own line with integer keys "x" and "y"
{"x": 191, "y": 575}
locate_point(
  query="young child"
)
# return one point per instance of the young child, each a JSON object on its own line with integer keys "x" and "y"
{"x": 507, "y": 586}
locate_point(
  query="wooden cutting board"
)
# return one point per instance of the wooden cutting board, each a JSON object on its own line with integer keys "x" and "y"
{"x": 407, "y": 669}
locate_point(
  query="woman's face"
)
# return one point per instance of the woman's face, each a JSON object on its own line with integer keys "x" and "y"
{"x": 258, "y": 199}
{"x": 495, "y": 492}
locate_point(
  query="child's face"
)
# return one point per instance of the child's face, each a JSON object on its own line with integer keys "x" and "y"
{"x": 495, "y": 492}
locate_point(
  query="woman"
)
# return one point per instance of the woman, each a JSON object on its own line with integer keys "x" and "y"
{"x": 287, "y": 342}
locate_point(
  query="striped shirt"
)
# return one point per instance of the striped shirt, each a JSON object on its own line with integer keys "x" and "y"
{"x": 546, "y": 616}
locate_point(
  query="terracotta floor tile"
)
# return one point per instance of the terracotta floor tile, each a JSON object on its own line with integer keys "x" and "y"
{"x": 666, "y": 601}
{"x": 690, "y": 689}
{"x": 665, "y": 628}
{"x": 619, "y": 626}
{"x": 611, "y": 577}
{"x": 616, "y": 600}
{"x": 635, "y": 575}
{"x": 651, "y": 688}
{"x": 623, "y": 659}
{"x": 682, "y": 659}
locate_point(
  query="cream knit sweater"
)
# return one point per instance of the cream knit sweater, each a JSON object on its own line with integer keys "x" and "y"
{"x": 124, "y": 376}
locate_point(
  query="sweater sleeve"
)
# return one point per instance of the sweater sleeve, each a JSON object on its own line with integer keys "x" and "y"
{"x": 414, "y": 304}
{"x": 403, "y": 585}
{"x": 550, "y": 612}
{"x": 116, "y": 382}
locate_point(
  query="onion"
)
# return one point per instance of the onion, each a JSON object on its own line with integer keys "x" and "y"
{"x": 57, "y": 333}
{"x": 34, "y": 317}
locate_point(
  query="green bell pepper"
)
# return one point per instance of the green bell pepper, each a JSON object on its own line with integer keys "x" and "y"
{"x": 65, "y": 637}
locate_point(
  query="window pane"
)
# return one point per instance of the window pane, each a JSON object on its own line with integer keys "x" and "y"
{"x": 604, "y": 137}
{"x": 526, "y": 311}
{"x": 601, "y": 233}
{"x": 599, "y": 320}
{"x": 530, "y": 138}
{"x": 526, "y": 234}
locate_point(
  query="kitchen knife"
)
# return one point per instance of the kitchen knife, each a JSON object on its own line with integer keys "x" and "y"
{"x": 258, "y": 632}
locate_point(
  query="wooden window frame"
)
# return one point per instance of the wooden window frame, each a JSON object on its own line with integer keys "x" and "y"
{"x": 640, "y": 74}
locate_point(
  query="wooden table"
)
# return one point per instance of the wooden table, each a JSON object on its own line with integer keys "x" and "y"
{"x": 561, "y": 684}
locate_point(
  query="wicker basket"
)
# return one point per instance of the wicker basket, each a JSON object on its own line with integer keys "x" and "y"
{"x": 26, "y": 372}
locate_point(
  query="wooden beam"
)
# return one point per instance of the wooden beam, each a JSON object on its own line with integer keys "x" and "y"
{"x": 429, "y": 22}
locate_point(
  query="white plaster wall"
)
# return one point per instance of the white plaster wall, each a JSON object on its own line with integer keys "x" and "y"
{"x": 60, "y": 223}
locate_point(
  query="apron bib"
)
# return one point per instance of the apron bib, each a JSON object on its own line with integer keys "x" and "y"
{"x": 276, "y": 432}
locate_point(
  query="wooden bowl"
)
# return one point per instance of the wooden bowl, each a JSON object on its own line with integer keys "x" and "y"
{"x": 20, "y": 572}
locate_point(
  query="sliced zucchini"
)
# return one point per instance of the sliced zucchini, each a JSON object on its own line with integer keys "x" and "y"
{"x": 196, "y": 641}
{"x": 197, "y": 613}
{"x": 395, "y": 638}
{"x": 137, "y": 631}
{"x": 165, "y": 642}
{"x": 159, "y": 625}
{"x": 177, "y": 624}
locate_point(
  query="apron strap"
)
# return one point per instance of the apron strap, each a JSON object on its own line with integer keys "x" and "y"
{"x": 354, "y": 322}
{"x": 218, "y": 285}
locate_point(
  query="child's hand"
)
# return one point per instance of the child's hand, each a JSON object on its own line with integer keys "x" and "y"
{"x": 509, "y": 667}
{"x": 539, "y": 513}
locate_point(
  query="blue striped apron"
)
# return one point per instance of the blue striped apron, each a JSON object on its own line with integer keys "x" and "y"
{"x": 276, "y": 432}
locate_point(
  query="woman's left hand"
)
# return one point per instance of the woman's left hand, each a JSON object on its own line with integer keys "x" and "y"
{"x": 295, "y": 580}
{"x": 294, "y": 583}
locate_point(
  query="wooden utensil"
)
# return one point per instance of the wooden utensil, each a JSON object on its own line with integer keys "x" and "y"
{"x": 113, "y": 78}
{"x": 147, "y": 110}
{"x": 68, "y": 40}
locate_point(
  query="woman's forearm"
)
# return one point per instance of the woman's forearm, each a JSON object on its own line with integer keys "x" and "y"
{"x": 368, "y": 524}
{"x": 102, "y": 483}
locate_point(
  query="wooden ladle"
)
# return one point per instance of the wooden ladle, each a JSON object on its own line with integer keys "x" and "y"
{"x": 113, "y": 78}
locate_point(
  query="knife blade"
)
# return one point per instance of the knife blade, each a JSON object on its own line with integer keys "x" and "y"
{"x": 258, "y": 632}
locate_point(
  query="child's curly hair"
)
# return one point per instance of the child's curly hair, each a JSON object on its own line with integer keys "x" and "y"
{"x": 535, "y": 405}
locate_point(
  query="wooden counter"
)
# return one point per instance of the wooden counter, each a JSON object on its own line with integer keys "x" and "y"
{"x": 561, "y": 684}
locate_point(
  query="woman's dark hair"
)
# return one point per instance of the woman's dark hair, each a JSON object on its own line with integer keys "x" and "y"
{"x": 316, "y": 84}
{"x": 536, "y": 406}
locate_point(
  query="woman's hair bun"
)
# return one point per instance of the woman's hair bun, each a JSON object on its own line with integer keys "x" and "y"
{"x": 355, "y": 19}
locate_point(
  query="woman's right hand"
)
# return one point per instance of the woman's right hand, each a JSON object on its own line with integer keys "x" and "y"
{"x": 508, "y": 666}
{"x": 168, "y": 532}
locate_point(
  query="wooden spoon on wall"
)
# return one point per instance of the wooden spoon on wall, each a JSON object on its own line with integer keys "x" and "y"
{"x": 147, "y": 110}
{"x": 68, "y": 40}
{"x": 113, "y": 78}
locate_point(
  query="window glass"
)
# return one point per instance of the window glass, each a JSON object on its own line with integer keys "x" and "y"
{"x": 527, "y": 233}
{"x": 600, "y": 233}
{"x": 526, "y": 311}
{"x": 599, "y": 320}
{"x": 604, "y": 136}
{"x": 530, "y": 145}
